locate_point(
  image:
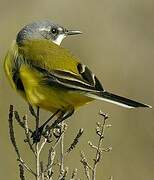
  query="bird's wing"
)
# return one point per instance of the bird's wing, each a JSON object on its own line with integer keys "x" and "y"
{"x": 58, "y": 66}
{"x": 71, "y": 81}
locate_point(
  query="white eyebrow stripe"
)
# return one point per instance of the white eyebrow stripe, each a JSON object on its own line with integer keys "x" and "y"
{"x": 45, "y": 28}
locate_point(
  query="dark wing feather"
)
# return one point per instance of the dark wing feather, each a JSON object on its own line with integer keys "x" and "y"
{"x": 88, "y": 76}
{"x": 69, "y": 80}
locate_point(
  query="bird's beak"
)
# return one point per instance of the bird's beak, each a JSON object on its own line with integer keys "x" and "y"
{"x": 72, "y": 32}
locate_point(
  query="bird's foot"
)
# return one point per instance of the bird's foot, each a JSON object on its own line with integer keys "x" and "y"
{"x": 36, "y": 135}
{"x": 44, "y": 131}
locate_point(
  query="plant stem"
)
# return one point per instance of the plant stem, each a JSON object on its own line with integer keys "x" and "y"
{"x": 98, "y": 153}
{"x": 37, "y": 162}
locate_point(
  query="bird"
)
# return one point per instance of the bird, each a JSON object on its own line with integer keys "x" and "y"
{"x": 49, "y": 76}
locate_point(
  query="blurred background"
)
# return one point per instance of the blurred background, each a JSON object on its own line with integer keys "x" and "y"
{"x": 118, "y": 45}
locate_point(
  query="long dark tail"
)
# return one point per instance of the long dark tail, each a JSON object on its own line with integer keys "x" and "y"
{"x": 121, "y": 101}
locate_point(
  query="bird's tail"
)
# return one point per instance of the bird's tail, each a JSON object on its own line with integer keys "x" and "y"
{"x": 115, "y": 99}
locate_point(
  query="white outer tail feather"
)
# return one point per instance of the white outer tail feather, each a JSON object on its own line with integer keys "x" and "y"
{"x": 108, "y": 100}
{"x": 125, "y": 105}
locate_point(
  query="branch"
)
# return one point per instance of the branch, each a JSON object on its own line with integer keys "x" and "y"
{"x": 27, "y": 134}
{"x": 74, "y": 174}
{"x": 90, "y": 171}
{"x": 86, "y": 165}
{"x": 11, "y": 131}
{"x": 75, "y": 141}
{"x": 26, "y": 167}
{"x": 100, "y": 132}
{"x": 21, "y": 170}
{"x": 56, "y": 135}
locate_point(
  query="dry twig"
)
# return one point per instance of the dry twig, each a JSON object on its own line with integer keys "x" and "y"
{"x": 45, "y": 172}
{"x": 90, "y": 170}
{"x": 75, "y": 141}
{"x": 21, "y": 170}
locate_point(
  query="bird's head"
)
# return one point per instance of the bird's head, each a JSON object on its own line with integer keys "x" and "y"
{"x": 44, "y": 30}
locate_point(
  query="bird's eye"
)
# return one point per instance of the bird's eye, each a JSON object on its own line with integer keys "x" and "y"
{"x": 54, "y": 31}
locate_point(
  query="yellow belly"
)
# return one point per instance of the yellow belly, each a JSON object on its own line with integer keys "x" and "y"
{"x": 49, "y": 98}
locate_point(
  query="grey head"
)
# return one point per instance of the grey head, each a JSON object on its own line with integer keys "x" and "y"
{"x": 44, "y": 30}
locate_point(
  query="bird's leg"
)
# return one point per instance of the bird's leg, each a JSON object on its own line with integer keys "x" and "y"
{"x": 37, "y": 117}
{"x": 39, "y": 130}
{"x": 32, "y": 111}
{"x": 64, "y": 115}
{"x": 56, "y": 125}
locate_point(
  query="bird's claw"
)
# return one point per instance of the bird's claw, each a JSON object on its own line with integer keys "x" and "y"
{"x": 36, "y": 135}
